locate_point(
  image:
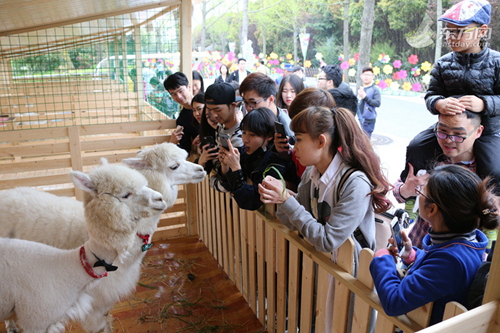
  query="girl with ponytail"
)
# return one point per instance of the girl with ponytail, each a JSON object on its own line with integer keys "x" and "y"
{"x": 331, "y": 145}
{"x": 456, "y": 203}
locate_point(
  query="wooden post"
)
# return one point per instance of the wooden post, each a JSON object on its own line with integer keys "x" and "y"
{"x": 492, "y": 291}
{"x": 186, "y": 44}
{"x": 138, "y": 71}
{"x": 75, "y": 149}
{"x": 191, "y": 210}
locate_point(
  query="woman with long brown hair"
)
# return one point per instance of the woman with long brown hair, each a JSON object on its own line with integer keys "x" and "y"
{"x": 326, "y": 210}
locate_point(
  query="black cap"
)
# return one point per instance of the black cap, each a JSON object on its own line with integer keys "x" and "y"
{"x": 221, "y": 93}
{"x": 297, "y": 68}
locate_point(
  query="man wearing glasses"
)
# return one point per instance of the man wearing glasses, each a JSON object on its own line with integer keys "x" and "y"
{"x": 456, "y": 135}
{"x": 259, "y": 91}
{"x": 330, "y": 78}
{"x": 465, "y": 79}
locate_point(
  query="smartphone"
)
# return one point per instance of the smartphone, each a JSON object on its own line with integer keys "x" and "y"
{"x": 280, "y": 129}
{"x": 208, "y": 140}
{"x": 396, "y": 234}
{"x": 224, "y": 139}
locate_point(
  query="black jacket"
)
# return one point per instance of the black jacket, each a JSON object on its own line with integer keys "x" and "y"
{"x": 253, "y": 167}
{"x": 477, "y": 74}
{"x": 219, "y": 79}
{"x": 235, "y": 76}
{"x": 190, "y": 132}
{"x": 345, "y": 98}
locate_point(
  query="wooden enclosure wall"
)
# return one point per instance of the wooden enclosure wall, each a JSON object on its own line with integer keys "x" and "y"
{"x": 285, "y": 280}
{"x": 42, "y": 158}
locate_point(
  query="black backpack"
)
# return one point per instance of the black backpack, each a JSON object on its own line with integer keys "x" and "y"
{"x": 478, "y": 286}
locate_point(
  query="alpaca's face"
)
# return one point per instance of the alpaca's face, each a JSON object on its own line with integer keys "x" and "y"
{"x": 169, "y": 160}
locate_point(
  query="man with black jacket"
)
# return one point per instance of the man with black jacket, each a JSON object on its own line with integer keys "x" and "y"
{"x": 330, "y": 78}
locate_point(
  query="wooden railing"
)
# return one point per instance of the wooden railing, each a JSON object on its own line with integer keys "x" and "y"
{"x": 42, "y": 158}
{"x": 285, "y": 280}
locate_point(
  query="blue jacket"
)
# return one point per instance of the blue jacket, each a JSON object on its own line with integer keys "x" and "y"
{"x": 253, "y": 166}
{"x": 441, "y": 273}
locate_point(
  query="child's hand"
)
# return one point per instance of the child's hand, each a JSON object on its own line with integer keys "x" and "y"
{"x": 281, "y": 144}
{"x": 271, "y": 191}
{"x": 231, "y": 157}
{"x": 412, "y": 182}
{"x": 449, "y": 106}
{"x": 207, "y": 154}
{"x": 472, "y": 103}
{"x": 177, "y": 135}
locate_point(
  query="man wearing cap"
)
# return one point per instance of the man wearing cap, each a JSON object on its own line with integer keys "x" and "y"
{"x": 288, "y": 70}
{"x": 221, "y": 102}
{"x": 465, "y": 79}
{"x": 330, "y": 78}
{"x": 241, "y": 73}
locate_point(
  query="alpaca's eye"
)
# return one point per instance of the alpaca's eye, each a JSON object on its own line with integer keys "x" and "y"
{"x": 126, "y": 196}
{"x": 174, "y": 167}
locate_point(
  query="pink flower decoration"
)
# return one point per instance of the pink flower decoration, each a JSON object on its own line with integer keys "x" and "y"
{"x": 416, "y": 87}
{"x": 403, "y": 74}
{"x": 356, "y": 56}
{"x": 413, "y": 59}
{"x": 276, "y": 62}
{"x": 279, "y": 71}
{"x": 344, "y": 65}
{"x": 382, "y": 84}
{"x": 395, "y": 76}
{"x": 396, "y": 63}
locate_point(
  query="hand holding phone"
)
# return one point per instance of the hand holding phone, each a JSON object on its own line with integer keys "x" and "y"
{"x": 280, "y": 128}
{"x": 208, "y": 140}
{"x": 397, "y": 236}
{"x": 224, "y": 138}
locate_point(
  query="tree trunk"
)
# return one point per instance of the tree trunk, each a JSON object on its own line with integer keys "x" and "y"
{"x": 203, "y": 25}
{"x": 439, "y": 36}
{"x": 346, "y": 37}
{"x": 244, "y": 26}
{"x": 294, "y": 44}
{"x": 264, "y": 42}
{"x": 365, "y": 40}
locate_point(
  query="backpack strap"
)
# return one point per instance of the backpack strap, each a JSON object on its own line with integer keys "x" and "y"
{"x": 357, "y": 233}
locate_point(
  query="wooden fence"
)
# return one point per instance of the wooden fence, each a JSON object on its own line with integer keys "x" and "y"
{"x": 42, "y": 158}
{"x": 284, "y": 279}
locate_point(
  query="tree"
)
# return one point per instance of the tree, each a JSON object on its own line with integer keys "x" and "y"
{"x": 244, "y": 26}
{"x": 365, "y": 41}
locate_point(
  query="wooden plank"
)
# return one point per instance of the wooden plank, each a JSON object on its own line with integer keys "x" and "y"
{"x": 177, "y": 208}
{"x": 127, "y": 127}
{"x": 170, "y": 221}
{"x": 55, "y": 162}
{"x": 306, "y": 302}
{"x": 361, "y": 316}
{"x": 225, "y": 251}
{"x": 322, "y": 294}
{"x": 35, "y": 150}
{"x": 261, "y": 269}
{"x": 191, "y": 210}
{"x": 282, "y": 259}
{"x": 237, "y": 246}
{"x": 215, "y": 241}
{"x": 35, "y": 181}
{"x": 384, "y": 325}
{"x": 293, "y": 288}
{"x": 422, "y": 315}
{"x": 64, "y": 192}
{"x": 453, "y": 309}
{"x": 209, "y": 218}
{"x": 342, "y": 293}
{"x": 161, "y": 233}
{"x": 218, "y": 240}
{"x": 482, "y": 319}
{"x": 33, "y": 134}
{"x": 76, "y": 155}
{"x": 112, "y": 157}
{"x": 271, "y": 277}
{"x": 199, "y": 211}
{"x": 252, "y": 261}
{"x": 492, "y": 291}
{"x": 117, "y": 143}
{"x": 230, "y": 236}
{"x": 244, "y": 253}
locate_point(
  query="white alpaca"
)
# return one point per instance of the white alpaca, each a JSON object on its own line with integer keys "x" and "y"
{"x": 44, "y": 286}
{"x": 164, "y": 166}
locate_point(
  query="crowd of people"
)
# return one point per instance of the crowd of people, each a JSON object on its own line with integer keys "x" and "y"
{"x": 308, "y": 150}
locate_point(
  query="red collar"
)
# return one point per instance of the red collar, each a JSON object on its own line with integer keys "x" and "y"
{"x": 86, "y": 266}
{"x": 145, "y": 240}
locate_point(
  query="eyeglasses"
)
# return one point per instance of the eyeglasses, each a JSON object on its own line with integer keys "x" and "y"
{"x": 417, "y": 190}
{"x": 457, "y": 33}
{"x": 454, "y": 138}
{"x": 253, "y": 105}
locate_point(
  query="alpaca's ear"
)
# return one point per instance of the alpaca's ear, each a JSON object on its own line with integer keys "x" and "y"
{"x": 83, "y": 181}
{"x": 104, "y": 161}
{"x": 137, "y": 163}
